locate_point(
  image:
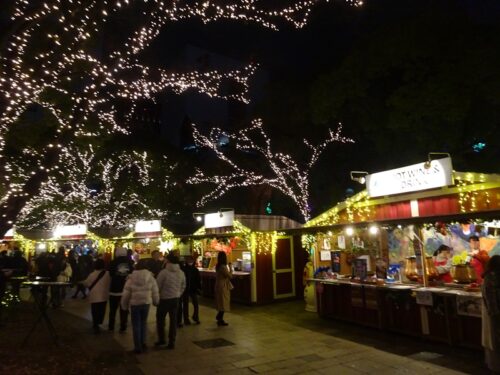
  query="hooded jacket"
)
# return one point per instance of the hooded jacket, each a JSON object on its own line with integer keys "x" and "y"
{"x": 171, "y": 281}
{"x": 140, "y": 289}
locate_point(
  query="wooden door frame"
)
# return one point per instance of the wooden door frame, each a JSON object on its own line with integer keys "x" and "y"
{"x": 286, "y": 270}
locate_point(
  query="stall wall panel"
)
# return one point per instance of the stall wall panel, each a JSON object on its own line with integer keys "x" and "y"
{"x": 283, "y": 254}
{"x": 438, "y": 206}
{"x": 284, "y": 284}
{"x": 264, "y": 268}
{"x": 393, "y": 211}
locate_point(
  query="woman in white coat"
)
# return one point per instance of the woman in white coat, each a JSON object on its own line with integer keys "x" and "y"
{"x": 98, "y": 284}
{"x": 139, "y": 292}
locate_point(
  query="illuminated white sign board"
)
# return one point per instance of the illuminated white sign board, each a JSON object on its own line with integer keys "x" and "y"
{"x": 412, "y": 178}
{"x": 9, "y": 234}
{"x": 148, "y": 226}
{"x": 70, "y": 230}
{"x": 219, "y": 219}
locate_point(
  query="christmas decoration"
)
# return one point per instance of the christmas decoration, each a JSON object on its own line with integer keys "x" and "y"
{"x": 286, "y": 175}
{"x": 68, "y": 198}
{"x": 57, "y": 57}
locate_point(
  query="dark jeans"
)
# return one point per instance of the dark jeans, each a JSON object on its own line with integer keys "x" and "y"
{"x": 169, "y": 306}
{"x": 114, "y": 304}
{"x": 184, "y": 308}
{"x": 139, "y": 315}
{"x": 98, "y": 310}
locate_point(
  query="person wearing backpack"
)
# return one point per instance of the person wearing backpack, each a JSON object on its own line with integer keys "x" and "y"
{"x": 98, "y": 283}
{"x": 120, "y": 268}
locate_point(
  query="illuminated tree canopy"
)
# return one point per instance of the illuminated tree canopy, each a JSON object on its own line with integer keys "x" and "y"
{"x": 56, "y": 57}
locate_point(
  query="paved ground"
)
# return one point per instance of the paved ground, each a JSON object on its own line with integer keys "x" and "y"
{"x": 276, "y": 339}
{"x": 284, "y": 339}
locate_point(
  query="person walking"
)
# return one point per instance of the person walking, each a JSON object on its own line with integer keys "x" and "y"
{"x": 119, "y": 269}
{"x": 223, "y": 287}
{"x": 193, "y": 288}
{"x": 98, "y": 284}
{"x": 139, "y": 292}
{"x": 171, "y": 282}
{"x": 491, "y": 313}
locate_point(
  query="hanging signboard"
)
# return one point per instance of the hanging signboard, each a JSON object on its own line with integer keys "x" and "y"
{"x": 149, "y": 227}
{"x": 422, "y": 176}
{"x": 219, "y": 219}
{"x": 70, "y": 231}
{"x": 9, "y": 235}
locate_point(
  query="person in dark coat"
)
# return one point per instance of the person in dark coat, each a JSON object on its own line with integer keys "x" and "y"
{"x": 119, "y": 269}
{"x": 56, "y": 266}
{"x": 155, "y": 264}
{"x": 18, "y": 263}
{"x": 193, "y": 288}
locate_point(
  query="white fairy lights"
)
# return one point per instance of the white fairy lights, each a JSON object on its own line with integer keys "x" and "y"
{"x": 285, "y": 173}
{"x": 49, "y": 54}
{"x": 67, "y": 197}
{"x": 52, "y": 58}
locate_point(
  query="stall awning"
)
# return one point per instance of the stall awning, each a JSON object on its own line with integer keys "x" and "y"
{"x": 471, "y": 193}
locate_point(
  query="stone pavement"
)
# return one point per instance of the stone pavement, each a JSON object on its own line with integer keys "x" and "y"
{"x": 284, "y": 339}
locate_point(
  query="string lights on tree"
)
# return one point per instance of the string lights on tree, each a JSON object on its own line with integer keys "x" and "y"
{"x": 54, "y": 57}
{"x": 99, "y": 193}
{"x": 284, "y": 173}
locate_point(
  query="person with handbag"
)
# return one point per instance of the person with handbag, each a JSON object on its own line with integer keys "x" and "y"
{"x": 98, "y": 283}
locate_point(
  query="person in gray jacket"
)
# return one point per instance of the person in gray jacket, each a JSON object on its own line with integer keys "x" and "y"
{"x": 171, "y": 284}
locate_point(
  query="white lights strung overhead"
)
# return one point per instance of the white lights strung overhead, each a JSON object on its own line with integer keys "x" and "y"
{"x": 50, "y": 55}
{"x": 52, "y": 59}
{"x": 286, "y": 174}
{"x": 67, "y": 198}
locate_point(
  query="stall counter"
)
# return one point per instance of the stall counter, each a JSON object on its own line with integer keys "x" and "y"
{"x": 241, "y": 281}
{"x": 450, "y": 315}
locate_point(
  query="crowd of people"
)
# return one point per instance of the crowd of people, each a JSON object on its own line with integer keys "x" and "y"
{"x": 129, "y": 286}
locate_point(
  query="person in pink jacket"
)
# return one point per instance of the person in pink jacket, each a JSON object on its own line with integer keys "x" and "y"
{"x": 98, "y": 284}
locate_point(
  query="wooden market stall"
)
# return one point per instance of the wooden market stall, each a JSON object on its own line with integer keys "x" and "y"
{"x": 378, "y": 247}
{"x": 267, "y": 261}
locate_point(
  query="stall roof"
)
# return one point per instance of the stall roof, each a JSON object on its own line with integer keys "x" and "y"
{"x": 265, "y": 223}
{"x": 466, "y": 187}
{"x": 256, "y": 223}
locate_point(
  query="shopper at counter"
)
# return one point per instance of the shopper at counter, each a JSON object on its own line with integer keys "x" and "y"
{"x": 478, "y": 257}
{"x": 223, "y": 287}
{"x": 491, "y": 313}
{"x": 442, "y": 261}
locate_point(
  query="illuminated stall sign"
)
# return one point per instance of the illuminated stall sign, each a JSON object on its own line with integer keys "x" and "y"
{"x": 71, "y": 231}
{"x": 149, "y": 228}
{"x": 9, "y": 235}
{"x": 422, "y": 176}
{"x": 219, "y": 219}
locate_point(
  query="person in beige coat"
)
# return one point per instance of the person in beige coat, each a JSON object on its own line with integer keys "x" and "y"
{"x": 98, "y": 283}
{"x": 223, "y": 287}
